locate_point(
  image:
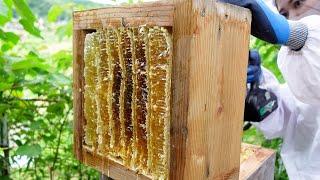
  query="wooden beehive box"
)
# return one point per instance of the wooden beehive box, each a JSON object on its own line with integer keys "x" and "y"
{"x": 159, "y": 89}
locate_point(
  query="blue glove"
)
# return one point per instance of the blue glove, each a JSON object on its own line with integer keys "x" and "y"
{"x": 254, "y": 68}
{"x": 273, "y": 27}
{"x": 266, "y": 25}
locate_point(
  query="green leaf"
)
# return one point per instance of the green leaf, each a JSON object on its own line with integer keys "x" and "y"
{"x": 28, "y": 64}
{"x": 9, "y": 36}
{"x": 29, "y": 150}
{"x": 8, "y": 3}
{"x": 54, "y": 12}
{"x": 24, "y": 11}
{"x": 63, "y": 59}
{"x": 3, "y": 20}
{"x": 12, "y": 37}
{"x": 7, "y": 46}
{"x": 5, "y": 11}
{"x": 32, "y": 61}
{"x": 5, "y": 86}
{"x": 49, "y": 138}
{"x": 29, "y": 26}
{"x": 18, "y": 142}
{"x": 56, "y": 108}
{"x": 36, "y": 125}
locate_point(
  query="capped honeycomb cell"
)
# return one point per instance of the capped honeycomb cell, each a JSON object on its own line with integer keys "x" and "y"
{"x": 159, "y": 57}
{"x": 90, "y": 104}
{"x": 127, "y": 97}
{"x": 103, "y": 100}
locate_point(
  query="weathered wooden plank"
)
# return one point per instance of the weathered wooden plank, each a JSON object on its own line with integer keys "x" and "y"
{"x": 78, "y": 84}
{"x": 128, "y": 22}
{"x": 153, "y": 14}
{"x": 109, "y": 167}
{"x": 257, "y": 163}
{"x": 208, "y": 90}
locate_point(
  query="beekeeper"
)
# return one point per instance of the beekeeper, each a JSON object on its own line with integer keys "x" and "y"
{"x": 297, "y": 116}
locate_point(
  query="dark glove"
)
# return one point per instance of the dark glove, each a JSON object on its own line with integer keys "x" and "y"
{"x": 254, "y": 67}
{"x": 272, "y": 27}
{"x": 259, "y": 102}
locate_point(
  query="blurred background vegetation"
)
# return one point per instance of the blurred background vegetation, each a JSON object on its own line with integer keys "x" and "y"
{"x": 36, "y": 91}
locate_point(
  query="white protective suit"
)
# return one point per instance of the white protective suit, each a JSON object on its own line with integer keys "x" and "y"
{"x": 297, "y": 119}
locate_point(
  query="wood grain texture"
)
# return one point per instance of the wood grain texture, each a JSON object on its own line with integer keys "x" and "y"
{"x": 153, "y": 14}
{"x": 110, "y": 167}
{"x": 208, "y": 90}
{"x": 259, "y": 165}
{"x": 208, "y": 84}
{"x": 78, "y": 84}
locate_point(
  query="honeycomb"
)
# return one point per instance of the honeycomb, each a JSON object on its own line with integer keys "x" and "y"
{"x": 126, "y": 95}
{"x": 103, "y": 102}
{"x": 127, "y": 77}
{"x": 90, "y": 104}
{"x": 140, "y": 97}
{"x": 159, "y": 63}
{"x": 114, "y": 93}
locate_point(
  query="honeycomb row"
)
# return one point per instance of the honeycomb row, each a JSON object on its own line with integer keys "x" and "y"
{"x": 127, "y": 96}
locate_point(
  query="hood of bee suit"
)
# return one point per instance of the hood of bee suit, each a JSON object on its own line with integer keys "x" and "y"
{"x": 301, "y": 69}
{"x": 272, "y": 5}
{"x": 313, "y": 11}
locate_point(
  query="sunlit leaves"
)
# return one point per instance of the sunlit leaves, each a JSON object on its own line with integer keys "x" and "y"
{"x": 9, "y": 40}
{"x": 9, "y": 36}
{"x": 5, "y": 86}
{"x": 8, "y": 3}
{"x": 29, "y": 26}
{"x": 27, "y": 18}
{"x": 33, "y": 150}
{"x": 5, "y": 11}
{"x": 23, "y": 10}
{"x": 63, "y": 59}
{"x": 31, "y": 61}
{"x": 37, "y": 125}
{"x": 54, "y": 12}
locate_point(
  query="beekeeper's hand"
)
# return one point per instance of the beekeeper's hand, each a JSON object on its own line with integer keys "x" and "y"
{"x": 273, "y": 27}
{"x": 254, "y": 67}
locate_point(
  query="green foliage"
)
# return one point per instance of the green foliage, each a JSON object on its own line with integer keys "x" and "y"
{"x": 27, "y": 19}
{"x": 23, "y": 10}
{"x": 54, "y": 12}
{"x": 29, "y": 150}
{"x": 36, "y": 94}
{"x": 268, "y": 54}
{"x": 5, "y": 11}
